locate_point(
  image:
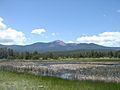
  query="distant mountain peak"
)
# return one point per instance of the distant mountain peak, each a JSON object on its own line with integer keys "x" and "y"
{"x": 59, "y": 42}
{"x": 57, "y": 45}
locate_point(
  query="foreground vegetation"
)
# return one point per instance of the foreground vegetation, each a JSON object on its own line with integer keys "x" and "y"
{"x": 22, "y": 81}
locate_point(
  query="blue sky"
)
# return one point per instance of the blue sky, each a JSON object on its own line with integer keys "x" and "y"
{"x": 81, "y": 21}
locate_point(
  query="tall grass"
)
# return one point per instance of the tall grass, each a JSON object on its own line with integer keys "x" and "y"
{"x": 24, "y": 81}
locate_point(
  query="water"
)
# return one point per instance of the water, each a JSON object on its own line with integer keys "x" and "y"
{"x": 82, "y": 71}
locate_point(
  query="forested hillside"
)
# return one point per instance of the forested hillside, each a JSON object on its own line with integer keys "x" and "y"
{"x": 6, "y": 53}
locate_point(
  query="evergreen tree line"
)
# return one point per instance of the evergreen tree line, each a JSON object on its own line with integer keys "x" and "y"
{"x": 6, "y": 53}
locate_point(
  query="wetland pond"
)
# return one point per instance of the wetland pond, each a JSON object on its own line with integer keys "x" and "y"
{"x": 103, "y": 71}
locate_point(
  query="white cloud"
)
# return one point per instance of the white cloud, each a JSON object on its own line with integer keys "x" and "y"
{"x": 10, "y": 36}
{"x": 2, "y": 25}
{"x": 105, "y": 38}
{"x": 38, "y": 31}
{"x": 70, "y": 42}
{"x": 53, "y": 34}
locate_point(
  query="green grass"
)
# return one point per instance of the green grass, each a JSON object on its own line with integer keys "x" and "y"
{"x": 22, "y": 81}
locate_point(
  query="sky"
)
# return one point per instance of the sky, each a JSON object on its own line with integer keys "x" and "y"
{"x": 25, "y": 22}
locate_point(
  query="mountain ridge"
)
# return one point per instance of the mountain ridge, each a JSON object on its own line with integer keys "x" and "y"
{"x": 57, "y": 45}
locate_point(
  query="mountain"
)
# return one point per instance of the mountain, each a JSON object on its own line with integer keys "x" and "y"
{"x": 57, "y": 45}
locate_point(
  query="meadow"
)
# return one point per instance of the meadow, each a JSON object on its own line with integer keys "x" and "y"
{"x": 24, "y": 81}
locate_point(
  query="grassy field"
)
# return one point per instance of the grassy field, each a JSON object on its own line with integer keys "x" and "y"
{"x": 21, "y": 81}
